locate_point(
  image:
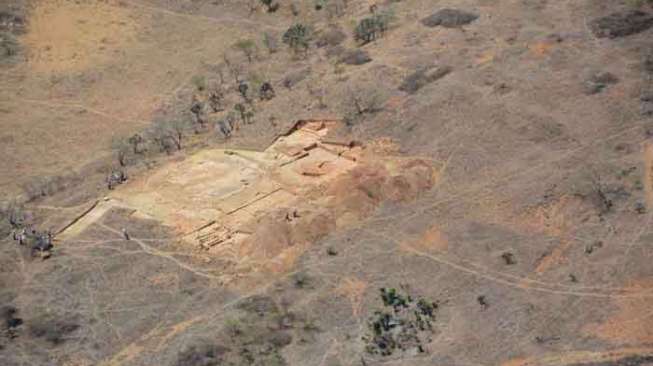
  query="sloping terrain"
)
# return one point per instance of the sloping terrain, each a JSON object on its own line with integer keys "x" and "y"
{"x": 494, "y": 205}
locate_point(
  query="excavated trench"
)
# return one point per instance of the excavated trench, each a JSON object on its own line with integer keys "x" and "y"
{"x": 260, "y": 210}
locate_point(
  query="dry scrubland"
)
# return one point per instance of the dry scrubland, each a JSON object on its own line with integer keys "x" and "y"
{"x": 337, "y": 182}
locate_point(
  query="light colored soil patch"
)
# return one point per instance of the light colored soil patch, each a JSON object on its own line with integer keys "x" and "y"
{"x": 431, "y": 240}
{"x": 632, "y": 323}
{"x": 354, "y": 290}
{"x": 72, "y": 36}
{"x": 579, "y": 357}
{"x": 88, "y": 219}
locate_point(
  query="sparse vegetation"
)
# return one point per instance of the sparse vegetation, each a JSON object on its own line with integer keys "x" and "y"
{"x": 199, "y": 81}
{"x": 639, "y": 3}
{"x": 248, "y": 47}
{"x": 361, "y": 102}
{"x": 246, "y": 114}
{"x": 336, "y": 8}
{"x": 9, "y": 46}
{"x": 466, "y": 181}
{"x": 271, "y": 42}
{"x": 121, "y": 149}
{"x": 43, "y": 186}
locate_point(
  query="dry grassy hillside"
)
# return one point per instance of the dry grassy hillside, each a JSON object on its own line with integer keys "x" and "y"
{"x": 326, "y": 182}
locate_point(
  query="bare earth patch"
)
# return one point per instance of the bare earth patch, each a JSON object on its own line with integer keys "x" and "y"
{"x": 66, "y": 36}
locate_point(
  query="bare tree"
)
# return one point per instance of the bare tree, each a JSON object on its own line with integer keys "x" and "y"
{"x": 136, "y": 141}
{"x": 248, "y": 48}
{"x": 362, "y": 101}
{"x": 216, "y": 99}
{"x": 236, "y": 69}
{"x": 121, "y": 149}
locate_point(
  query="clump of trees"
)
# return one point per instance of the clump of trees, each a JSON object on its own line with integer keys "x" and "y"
{"x": 169, "y": 134}
{"x": 402, "y": 324}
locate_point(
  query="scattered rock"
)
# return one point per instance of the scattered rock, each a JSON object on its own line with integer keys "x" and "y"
{"x": 598, "y": 81}
{"x": 355, "y": 57}
{"x": 332, "y": 251}
{"x": 449, "y": 18}
{"x": 423, "y": 77}
{"x": 621, "y": 24}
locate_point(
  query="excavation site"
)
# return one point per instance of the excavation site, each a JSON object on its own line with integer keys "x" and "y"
{"x": 326, "y": 182}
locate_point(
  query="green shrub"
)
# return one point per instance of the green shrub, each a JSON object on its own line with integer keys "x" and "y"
{"x": 298, "y": 37}
{"x": 9, "y": 46}
{"x": 371, "y": 28}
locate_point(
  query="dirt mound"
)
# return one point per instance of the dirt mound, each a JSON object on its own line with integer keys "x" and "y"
{"x": 368, "y": 185}
{"x": 281, "y": 236}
